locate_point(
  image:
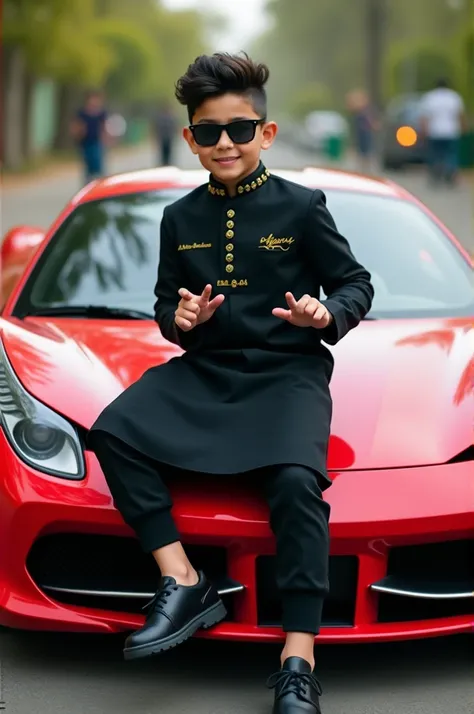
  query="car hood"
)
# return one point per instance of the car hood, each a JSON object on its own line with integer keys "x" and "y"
{"x": 403, "y": 391}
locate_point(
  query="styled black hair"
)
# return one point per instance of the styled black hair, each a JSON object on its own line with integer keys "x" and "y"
{"x": 214, "y": 75}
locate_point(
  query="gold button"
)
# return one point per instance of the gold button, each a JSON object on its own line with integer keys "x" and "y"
{"x": 230, "y": 224}
{"x": 240, "y": 189}
{"x": 229, "y": 268}
{"x": 229, "y": 257}
{"x": 230, "y": 213}
{"x": 229, "y": 247}
{"x": 229, "y": 234}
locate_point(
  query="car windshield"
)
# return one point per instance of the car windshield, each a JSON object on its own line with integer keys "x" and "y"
{"x": 106, "y": 254}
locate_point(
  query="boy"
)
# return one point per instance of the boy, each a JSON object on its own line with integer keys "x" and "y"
{"x": 250, "y": 395}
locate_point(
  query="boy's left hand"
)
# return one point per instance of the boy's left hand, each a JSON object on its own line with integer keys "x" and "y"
{"x": 305, "y": 312}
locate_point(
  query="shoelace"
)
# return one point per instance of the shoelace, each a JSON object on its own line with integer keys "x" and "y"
{"x": 158, "y": 601}
{"x": 294, "y": 683}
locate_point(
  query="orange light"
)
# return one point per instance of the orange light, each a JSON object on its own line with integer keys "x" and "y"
{"x": 406, "y": 136}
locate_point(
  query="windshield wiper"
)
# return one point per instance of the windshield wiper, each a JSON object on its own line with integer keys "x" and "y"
{"x": 98, "y": 311}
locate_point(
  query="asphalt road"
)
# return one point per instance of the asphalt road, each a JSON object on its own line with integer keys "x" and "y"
{"x": 75, "y": 674}
{"x": 71, "y": 674}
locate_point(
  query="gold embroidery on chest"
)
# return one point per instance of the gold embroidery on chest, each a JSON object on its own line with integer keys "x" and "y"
{"x": 194, "y": 246}
{"x": 272, "y": 243}
{"x": 242, "y": 283}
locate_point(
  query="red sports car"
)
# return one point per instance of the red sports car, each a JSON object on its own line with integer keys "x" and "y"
{"x": 76, "y": 329}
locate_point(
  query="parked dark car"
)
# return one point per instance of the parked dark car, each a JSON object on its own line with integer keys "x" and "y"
{"x": 402, "y": 143}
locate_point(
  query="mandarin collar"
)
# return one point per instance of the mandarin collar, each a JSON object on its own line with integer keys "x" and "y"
{"x": 250, "y": 183}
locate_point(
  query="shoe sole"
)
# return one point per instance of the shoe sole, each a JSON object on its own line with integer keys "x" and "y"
{"x": 210, "y": 617}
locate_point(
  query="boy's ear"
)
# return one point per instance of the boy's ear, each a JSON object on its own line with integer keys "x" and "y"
{"x": 189, "y": 138}
{"x": 269, "y": 132}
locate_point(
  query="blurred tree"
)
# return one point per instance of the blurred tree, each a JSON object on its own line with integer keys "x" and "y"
{"x": 137, "y": 72}
{"x": 326, "y": 42}
{"x": 423, "y": 19}
{"x": 160, "y": 35}
{"x": 57, "y": 39}
{"x": 309, "y": 42}
{"x": 309, "y": 98}
{"x": 416, "y": 67}
{"x": 462, "y": 46}
{"x": 133, "y": 50}
{"x": 47, "y": 38}
{"x": 430, "y": 44}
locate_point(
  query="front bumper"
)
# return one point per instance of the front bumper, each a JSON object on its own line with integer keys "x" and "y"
{"x": 58, "y": 541}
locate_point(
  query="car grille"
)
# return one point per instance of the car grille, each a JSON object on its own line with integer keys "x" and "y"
{"x": 422, "y": 582}
{"x": 110, "y": 572}
{"x": 434, "y": 567}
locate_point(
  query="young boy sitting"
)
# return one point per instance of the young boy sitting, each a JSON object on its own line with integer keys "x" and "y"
{"x": 250, "y": 395}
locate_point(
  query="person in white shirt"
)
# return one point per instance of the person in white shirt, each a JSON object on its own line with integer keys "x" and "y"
{"x": 443, "y": 122}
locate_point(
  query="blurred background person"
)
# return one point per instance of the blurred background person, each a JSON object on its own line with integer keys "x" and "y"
{"x": 89, "y": 130}
{"x": 166, "y": 128}
{"x": 443, "y": 123}
{"x": 364, "y": 125}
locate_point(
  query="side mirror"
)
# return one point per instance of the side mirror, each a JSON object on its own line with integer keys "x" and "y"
{"x": 17, "y": 248}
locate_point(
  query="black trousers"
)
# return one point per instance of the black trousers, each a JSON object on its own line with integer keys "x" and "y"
{"x": 298, "y": 518}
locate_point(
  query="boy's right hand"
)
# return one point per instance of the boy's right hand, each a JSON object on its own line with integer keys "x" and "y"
{"x": 195, "y": 309}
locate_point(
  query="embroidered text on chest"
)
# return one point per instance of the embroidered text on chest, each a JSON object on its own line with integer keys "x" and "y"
{"x": 272, "y": 243}
{"x": 194, "y": 246}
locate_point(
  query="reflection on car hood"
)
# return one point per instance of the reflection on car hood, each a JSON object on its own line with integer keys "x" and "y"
{"x": 403, "y": 391}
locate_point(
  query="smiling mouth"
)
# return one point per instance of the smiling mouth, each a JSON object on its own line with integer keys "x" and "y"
{"x": 227, "y": 160}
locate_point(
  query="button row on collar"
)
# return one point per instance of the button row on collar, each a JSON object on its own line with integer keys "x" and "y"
{"x": 242, "y": 188}
{"x": 253, "y": 185}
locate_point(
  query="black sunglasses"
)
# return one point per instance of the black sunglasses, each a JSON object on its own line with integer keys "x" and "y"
{"x": 239, "y": 132}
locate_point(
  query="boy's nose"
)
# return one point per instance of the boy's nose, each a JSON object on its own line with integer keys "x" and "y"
{"x": 225, "y": 141}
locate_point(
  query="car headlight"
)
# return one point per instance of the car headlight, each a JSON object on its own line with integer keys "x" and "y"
{"x": 39, "y": 436}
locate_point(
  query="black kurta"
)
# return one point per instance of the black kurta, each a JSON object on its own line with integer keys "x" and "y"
{"x": 251, "y": 390}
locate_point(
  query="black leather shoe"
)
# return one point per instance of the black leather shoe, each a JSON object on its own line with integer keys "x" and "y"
{"x": 174, "y": 615}
{"x": 297, "y": 690}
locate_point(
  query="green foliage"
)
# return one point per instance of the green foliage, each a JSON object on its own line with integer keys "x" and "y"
{"x": 416, "y": 67}
{"x": 58, "y": 38}
{"x": 462, "y": 51}
{"x": 309, "y": 98}
{"x": 133, "y": 49}
{"x": 313, "y": 42}
{"x": 325, "y": 42}
{"x": 135, "y": 73}
{"x": 180, "y": 37}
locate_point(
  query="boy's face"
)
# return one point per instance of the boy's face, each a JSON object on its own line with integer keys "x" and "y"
{"x": 230, "y": 162}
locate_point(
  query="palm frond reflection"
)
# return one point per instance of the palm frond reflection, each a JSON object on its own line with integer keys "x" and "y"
{"x": 107, "y": 252}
